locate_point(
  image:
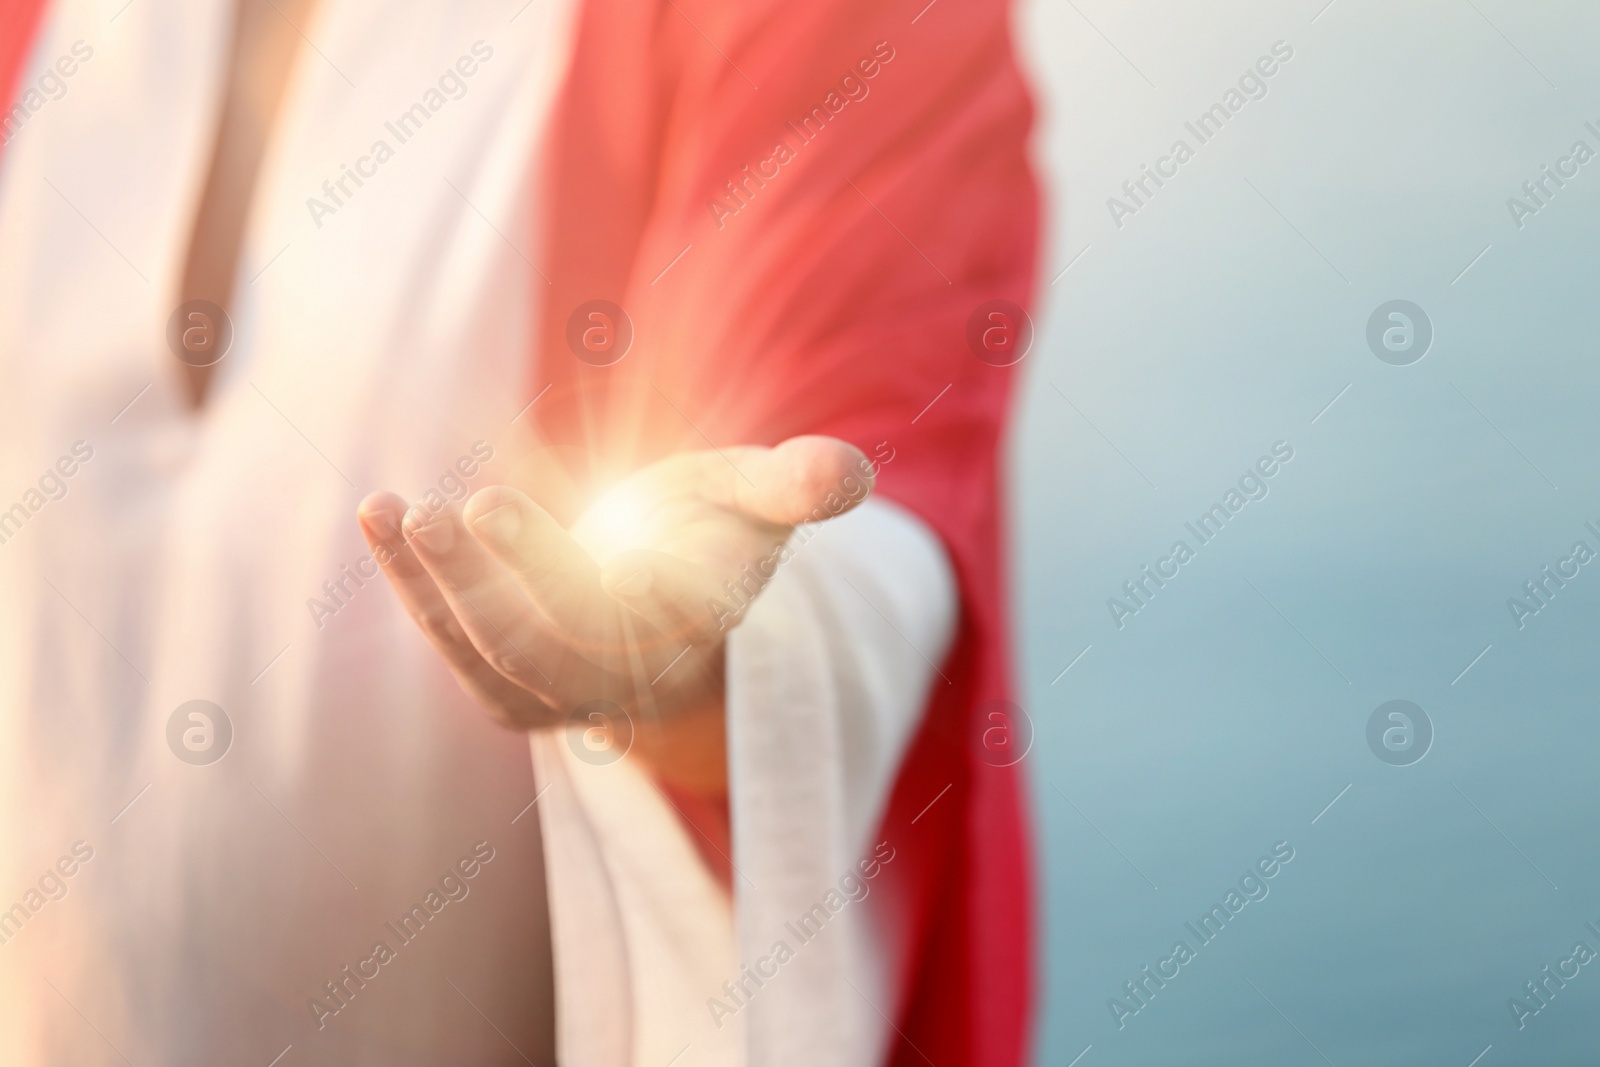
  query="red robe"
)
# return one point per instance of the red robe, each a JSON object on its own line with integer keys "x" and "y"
{"x": 824, "y": 286}
{"x": 18, "y": 21}
{"x": 827, "y": 290}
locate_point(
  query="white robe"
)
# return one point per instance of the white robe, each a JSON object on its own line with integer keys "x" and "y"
{"x": 375, "y": 345}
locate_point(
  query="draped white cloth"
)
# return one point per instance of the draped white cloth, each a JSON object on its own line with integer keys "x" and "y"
{"x": 375, "y": 345}
{"x": 826, "y": 681}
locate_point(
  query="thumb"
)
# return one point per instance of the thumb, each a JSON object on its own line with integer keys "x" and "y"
{"x": 807, "y": 479}
{"x": 804, "y": 479}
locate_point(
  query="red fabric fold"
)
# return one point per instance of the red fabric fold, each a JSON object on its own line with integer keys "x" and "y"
{"x": 19, "y": 22}
{"x": 826, "y": 290}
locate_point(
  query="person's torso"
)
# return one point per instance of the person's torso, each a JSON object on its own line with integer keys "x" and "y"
{"x": 380, "y": 339}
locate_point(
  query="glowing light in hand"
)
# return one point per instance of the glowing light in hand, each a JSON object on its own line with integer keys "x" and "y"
{"x": 615, "y": 523}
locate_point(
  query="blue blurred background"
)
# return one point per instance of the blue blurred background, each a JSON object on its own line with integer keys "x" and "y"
{"x": 1227, "y": 313}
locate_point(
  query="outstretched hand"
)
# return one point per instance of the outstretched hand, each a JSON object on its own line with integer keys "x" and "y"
{"x": 633, "y": 604}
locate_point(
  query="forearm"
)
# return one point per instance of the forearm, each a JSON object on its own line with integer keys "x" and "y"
{"x": 687, "y": 749}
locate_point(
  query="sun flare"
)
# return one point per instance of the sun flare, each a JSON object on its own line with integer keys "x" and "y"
{"x": 617, "y": 522}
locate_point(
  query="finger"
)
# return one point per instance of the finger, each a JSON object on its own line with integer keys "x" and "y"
{"x": 499, "y": 621}
{"x": 550, "y": 568}
{"x": 379, "y": 516}
{"x": 804, "y": 479}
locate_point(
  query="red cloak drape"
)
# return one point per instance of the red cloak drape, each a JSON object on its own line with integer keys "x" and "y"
{"x": 824, "y": 286}
{"x": 826, "y": 290}
{"x": 18, "y": 21}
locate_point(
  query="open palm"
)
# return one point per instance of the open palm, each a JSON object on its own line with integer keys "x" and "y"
{"x": 630, "y": 606}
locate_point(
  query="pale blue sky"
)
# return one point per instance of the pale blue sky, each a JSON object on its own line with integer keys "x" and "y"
{"x": 1224, "y": 316}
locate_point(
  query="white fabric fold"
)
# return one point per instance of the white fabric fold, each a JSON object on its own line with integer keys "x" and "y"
{"x": 214, "y": 555}
{"x": 827, "y": 679}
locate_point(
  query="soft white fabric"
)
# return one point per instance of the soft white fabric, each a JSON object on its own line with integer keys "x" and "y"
{"x": 376, "y": 348}
{"x": 827, "y": 678}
